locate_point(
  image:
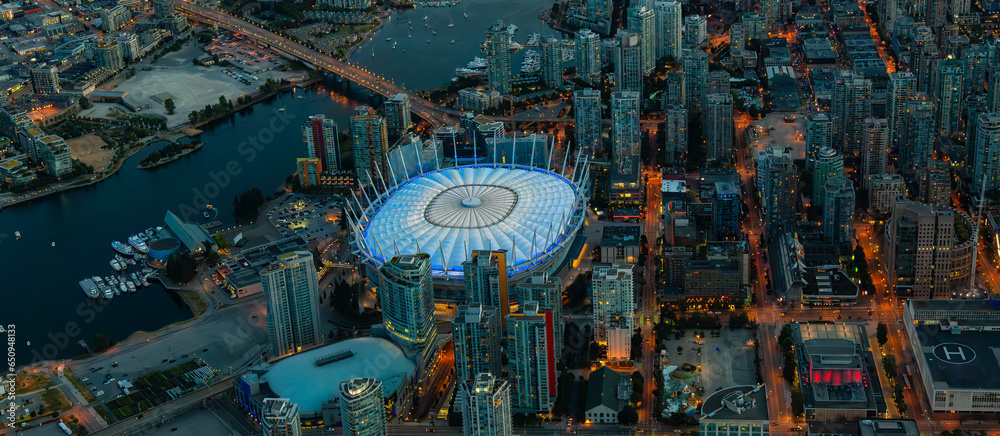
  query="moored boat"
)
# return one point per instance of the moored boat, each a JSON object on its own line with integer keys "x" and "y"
{"x": 122, "y": 248}
{"x": 137, "y": 243}
{"x": 130, "y": 286}
{"x": 116, "y": 265}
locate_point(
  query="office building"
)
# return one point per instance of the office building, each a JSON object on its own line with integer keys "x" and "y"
{"x": 675, "y": 131}
{"x": 948, "y": 82}
{"x": 114, "y": 17}
{"x": 928, "y": 249}
{"x": 612, "y": 295}
{"x": 531, "y": 352}
{"x": 737, "y": 37}
{"x": 695, "y": 30}
{"x": 55, "y": 154}
{"x": 778, "y": 178}
{"x": 625, "y": 133}
{"x": 675, "y": 94}
{"x": 642, "y": 21}
{"x": 552, "y": 69}
{"x": 954, "y": 343}
{"x": 986, "y": 167}
{"x": 486, "y": 279}
{"x": 397, "y": 115}
{"x": 321, "y": 141}
{"x": 974, "y": 106}
{"x": 588, "y": 56}
{"x": 726, "y": 211}
{"x": 883, "y": 190}
{"x": 362, "y": 410}
{"x": 874, "y": 154}
{"x": 739, "y": 407}
{"x": 838, "y": 363}
{"x": 669, "y": 29}
{"x": 370, "y": 145}
{"x": 923, "y": 53}
{"x": 718, "y": 127}
{"x": 917, "y": 148}
{"x": 838, "y": 213}
{"x": 477, "y": 331}
{"x": 407, "y": 297}
{"x": 281, "y": 417}
{"x": 695, "y": 64}
{"x": 108, "y": 54}
{"x": 850, "y": 107}
{"x": 486, "y": 406}
{"x": 770, "y": 13}
{"x": 755, "y": 26}
{"x": 587, "y": 117}
{"x": 628, "y": 62}
{"x": 291, "y": 288}
{"x": 45, "y": 79}
{"x": 819, "y": 134}
{"x": 497, "y": 50}
{"x": 902, "y": 86}
{"x": 829, "y": 164}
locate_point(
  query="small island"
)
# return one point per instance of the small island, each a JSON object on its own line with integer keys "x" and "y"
{"x": 167, "y": 154}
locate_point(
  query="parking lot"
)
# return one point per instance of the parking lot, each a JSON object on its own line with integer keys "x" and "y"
{"x": 307, "y": 216}
{"x": 244, "y": 53}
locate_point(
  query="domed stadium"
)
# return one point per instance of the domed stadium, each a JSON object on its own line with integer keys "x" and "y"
{"x": 532, "y": 213}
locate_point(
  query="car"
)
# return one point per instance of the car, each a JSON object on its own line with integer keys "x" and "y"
{"x": 93, "y": 388}
{"x": 85, "y": 379}
{"x": 99, "y": 393}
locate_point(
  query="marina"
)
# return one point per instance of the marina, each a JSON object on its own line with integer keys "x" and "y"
{"x": 130, "y": 273}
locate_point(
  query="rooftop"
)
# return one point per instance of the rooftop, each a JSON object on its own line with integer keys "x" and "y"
{"x": 738, "y": 403}
{"x": 621, "y": 234}
{"x": 959, "y": 360}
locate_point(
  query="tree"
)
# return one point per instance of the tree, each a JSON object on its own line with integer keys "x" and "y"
{"x": 455, "y": 419}
{"x": 890, "y": 367}
{"x": 788, "y": 371}
{"x": 882, "y": 334}
{"x": 181, "y": 267}
{"x": 628, "y": 416}
{"x": 636, "y": 345}
{"x": 85, "y": 103}
{"x": 101, "y": 342}
{"x": 798, "y": 402}
{"x": 169, "y": 105}
{"x": 738, "y": 320}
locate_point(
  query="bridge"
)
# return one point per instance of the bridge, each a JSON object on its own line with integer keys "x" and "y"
{"x": 431, "y": 112}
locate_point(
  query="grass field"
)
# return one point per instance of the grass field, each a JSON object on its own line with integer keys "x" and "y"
{"x": 194, "y": 300}
{"x": 32, "y": 380}
{"x": 82, "y": 388}
{"x": 55, "y": 400}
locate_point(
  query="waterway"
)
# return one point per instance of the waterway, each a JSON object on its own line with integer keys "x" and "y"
{"x": 39, "y": 282}
{"x": 417, "y": 65}
{"x": 39, "y": 290}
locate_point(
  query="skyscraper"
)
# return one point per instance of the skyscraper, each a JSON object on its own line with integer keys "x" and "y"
{"x": 547, "y": 292}
{"x": 675, "y": 131}
{"x": 923, "y": 52}
{"x": 838, "y": 213}
{"x": 975, "y": 105}
{"x": 695, "y": 30}
{"x": 918, "y": 124}
{"x": 497, "y": 50}
{"x": 902, "y": 86}
{"x": 642, "y": 22}
{"x": 695, "y": 63}
{"x": 675, "y": 93}
{"x": 829, "y": 164}
{"x": 477, "y": 331}
{"x": 588, "y": 56}
{"x": 612, "y": 295}
{"x": 718, "y": 122}
{"x": 770, "y": 13}
{"x": 587, "y": 117}
{"x": 819, "y": 134}
{"x": 407, "y": 297}
{"x": 718, "y": 82}
{"x": 625, "y": 133}
{"x": 370, "y": 145}
{"x": 531, "y": 352}
{"x": 851, "y": 106}
{"x": 45, "y": 79}
{"x": 726, "y": 211}
{"x": 934, "y": 183}
{"x": 923, "y": 254}
{"x": 397, "y": 115}
{"x": 320, "y": 135}
{"x": 486, "y": 279}
{"x": 628, "y": 62}
{"x": 280, "y": 417}
{"x": 737, "y": 37}
{"x": 362, "y": 408}
{"x": 486, "y": 406}
{"x": 948, "y": 77}
{"x": 993, "y": 87}
{"x": 987, "y": 152}
{"x": 874, "y": 153}
{"x": 778, "y": 179}
{"x": 669, "y": 29}
{"x": 552, "y": 65}
{"x": 292, "y": 291}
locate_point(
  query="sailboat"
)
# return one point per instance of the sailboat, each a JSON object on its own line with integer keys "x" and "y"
{"x": 451, "y": 23}
{"x": 466, "y": 14}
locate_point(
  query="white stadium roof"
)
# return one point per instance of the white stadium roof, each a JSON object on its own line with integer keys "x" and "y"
{"x": 451, "y": 212}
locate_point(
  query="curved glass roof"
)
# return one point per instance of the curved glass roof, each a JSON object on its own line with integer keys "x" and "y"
{"x": 451, "y": 212}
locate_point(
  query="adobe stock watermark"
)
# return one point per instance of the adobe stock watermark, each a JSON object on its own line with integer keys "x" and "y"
{"x": 248, "y": 150}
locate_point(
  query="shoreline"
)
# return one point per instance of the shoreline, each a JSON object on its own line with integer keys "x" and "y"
{"x": 168, "y": 159}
